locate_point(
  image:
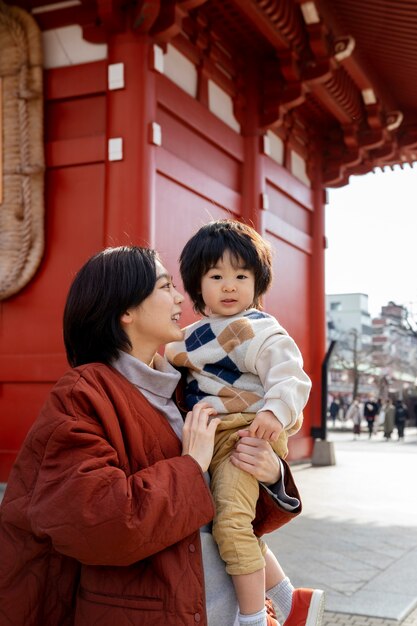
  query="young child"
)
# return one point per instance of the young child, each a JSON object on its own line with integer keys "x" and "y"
{"x": 241, "y": 361}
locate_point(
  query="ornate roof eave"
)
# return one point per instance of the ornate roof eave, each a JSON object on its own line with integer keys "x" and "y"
{"x": 391, "y": 149}
{"x": 307, "y": 69}
{"x": 99, "y": 19}
{"x": 314, "y": 62}
{"x": 314, "y": 67}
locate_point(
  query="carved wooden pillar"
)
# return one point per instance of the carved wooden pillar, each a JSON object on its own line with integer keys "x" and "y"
{"x": 130, "y": 181}
{"x": 131, "y": 117}
{"x": 248, "y": 113}
{"x": 317, "y": 293}
{"x": 1, "y": 141}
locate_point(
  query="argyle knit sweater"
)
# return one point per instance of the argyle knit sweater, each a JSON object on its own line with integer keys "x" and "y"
{"x": 243, "y": 364}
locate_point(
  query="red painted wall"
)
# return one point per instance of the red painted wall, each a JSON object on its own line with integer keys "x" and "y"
{"x": 158, "y": 195}
{"x": 31, "y": 348}
{"x": 200, "y": 171}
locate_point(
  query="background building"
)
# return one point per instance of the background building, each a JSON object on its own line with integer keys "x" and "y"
{"x": 395, "y": 349}
{"x": 347, "y": 313}
{"x": 372, "y": 357}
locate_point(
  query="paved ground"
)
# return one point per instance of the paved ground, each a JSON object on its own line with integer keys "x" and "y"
{"x": 357, "y": 535}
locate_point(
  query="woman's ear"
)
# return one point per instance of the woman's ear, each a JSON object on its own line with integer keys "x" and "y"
{"x": 126, "y": 318}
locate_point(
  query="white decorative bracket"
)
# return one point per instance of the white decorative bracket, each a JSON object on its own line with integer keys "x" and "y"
{"x": 115, "y": 149}
{"x": 155, "y": 134}
{"x": 264, "y": 201}
{"x": 157, "y": 59}
{"x": 116, "y": 76}
{"x": 266, "y": 145}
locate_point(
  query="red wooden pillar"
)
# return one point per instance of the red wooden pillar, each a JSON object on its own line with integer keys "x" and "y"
{"x": 252, "y": 175}
{"x": 130, "y": 182}
{"x": 252, "y": 184}
{"x": 317, "y": 298}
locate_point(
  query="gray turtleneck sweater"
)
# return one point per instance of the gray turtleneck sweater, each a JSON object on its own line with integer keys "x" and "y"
{"x": 158, "y": 384}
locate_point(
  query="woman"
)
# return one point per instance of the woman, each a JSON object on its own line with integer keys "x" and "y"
{"x": 101, "y": 517}
{"x": 354, "y": 413}
{"x": 389, "y": 419}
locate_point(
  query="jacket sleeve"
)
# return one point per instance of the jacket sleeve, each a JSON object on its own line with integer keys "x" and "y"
{"x": 279, "y": 365}
{"x": 93, "y": 511}
{"x": 270, "y": 514}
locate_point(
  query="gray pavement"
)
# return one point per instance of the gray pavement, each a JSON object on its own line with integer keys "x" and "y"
{"x": 357, "y": 535}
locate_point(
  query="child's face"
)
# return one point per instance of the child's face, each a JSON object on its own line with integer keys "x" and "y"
{"x": 228, "y": 288}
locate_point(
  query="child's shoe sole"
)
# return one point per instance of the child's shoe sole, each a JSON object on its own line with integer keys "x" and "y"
{"x": 316, "y": 609}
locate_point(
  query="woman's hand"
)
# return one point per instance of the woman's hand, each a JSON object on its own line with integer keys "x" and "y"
{"x": 198, "y": 434}
{"x": 256, "y": 457}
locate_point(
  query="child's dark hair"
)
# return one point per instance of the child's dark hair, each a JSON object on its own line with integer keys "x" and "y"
{"x": 210, "y": 243}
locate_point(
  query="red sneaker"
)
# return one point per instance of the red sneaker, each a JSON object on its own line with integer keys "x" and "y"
{"x": 307, "y": 608}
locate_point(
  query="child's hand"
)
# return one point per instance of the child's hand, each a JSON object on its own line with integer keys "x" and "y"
{"x": 266, "y": 426}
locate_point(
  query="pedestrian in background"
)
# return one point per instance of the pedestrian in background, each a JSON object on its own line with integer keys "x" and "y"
{"x": 334, "y": 410}
{"x": 370, "y": 412}
{"x": 354, "y": 413}
{"x": 401, "y": 414}
{"x": 389, "y": 419}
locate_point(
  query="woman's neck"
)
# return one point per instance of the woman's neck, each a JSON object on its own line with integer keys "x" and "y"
{"x": 147, "y": 356}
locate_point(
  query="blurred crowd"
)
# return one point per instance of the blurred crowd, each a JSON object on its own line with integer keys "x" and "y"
{"x": 390, "y": 416}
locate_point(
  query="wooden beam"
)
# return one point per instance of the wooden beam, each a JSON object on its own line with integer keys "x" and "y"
{"x": 268, "y": 23}
{"x": 1, "y": 141}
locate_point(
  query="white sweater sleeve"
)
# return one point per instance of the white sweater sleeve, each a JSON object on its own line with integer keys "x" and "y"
{"x": 279, "y": 365}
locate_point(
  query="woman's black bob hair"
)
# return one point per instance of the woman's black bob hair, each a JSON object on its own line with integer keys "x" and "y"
{"x": 209, "y": 244}
{"x": 109, "y": 283}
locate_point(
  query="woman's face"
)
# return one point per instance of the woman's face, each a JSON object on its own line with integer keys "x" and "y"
{"x": 156, "y": 321}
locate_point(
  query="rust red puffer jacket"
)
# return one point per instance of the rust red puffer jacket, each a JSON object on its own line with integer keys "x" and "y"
{"x": 100, "y": 521}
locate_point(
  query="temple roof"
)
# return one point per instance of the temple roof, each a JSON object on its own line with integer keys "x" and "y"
{"x": 343, "y": 69}
{"x": 340, "y": 74}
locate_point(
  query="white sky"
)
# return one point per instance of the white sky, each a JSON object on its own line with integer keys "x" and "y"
{"x": 371, "y": 230}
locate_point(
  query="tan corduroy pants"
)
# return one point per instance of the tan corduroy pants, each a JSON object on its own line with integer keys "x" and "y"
{"x": 236, "y": 493}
